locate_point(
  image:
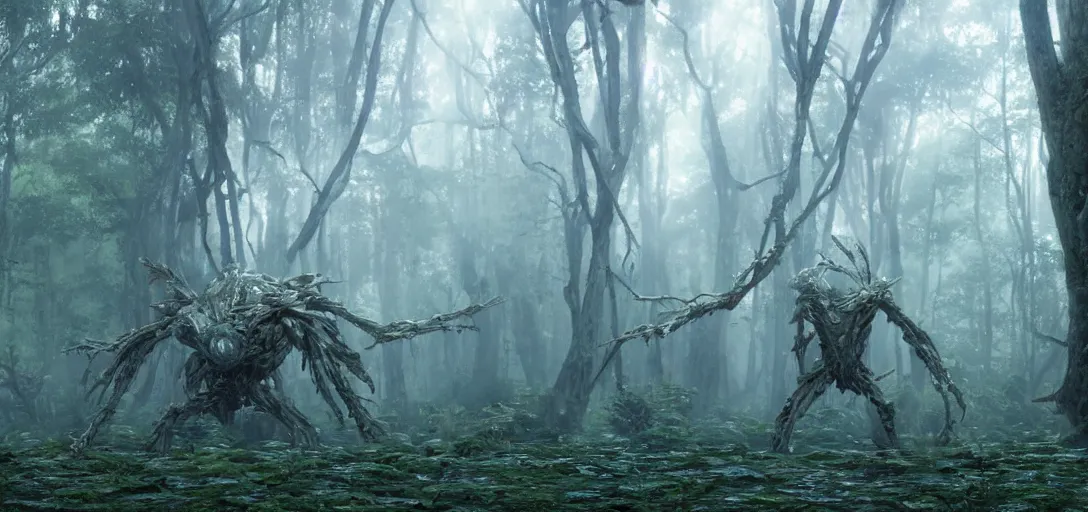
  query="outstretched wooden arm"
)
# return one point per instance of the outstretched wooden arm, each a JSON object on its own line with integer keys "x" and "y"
{"x": 404, "y": 329}
{"x": 303, "y": 294}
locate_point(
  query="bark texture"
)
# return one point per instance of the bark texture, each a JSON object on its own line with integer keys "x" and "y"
{"x": 842, "y": 321}
{"x": 241, "y": 329}
{"x": 1063, "y": 108}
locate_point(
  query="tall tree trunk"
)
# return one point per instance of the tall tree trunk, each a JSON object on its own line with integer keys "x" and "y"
{"x": 340, "y": 174}
{"x": 1061, "y": 90}
{"x": 753, "y": 343}
{"x": 927, "y": 244}
{"x": 7, "y": 170}
{"x": 608, "y": 157}
{"x": 986, "y": 333}
{"x": 484, "y": 386}
{"x": 651, "y": 178}
{"x": 893, "y": 170}
{"x": 205, "y": 39}
{"x": 779, "y": 313}
{"x": 1016, "y": 201}
{"x": 525, "y": 321}
{"x": 389, "y": 289}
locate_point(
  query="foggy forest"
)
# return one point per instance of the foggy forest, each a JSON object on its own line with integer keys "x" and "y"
{"x": 543, "y": 255}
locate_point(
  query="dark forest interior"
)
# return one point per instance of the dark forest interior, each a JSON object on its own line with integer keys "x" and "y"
{"x": 543, "y": 255}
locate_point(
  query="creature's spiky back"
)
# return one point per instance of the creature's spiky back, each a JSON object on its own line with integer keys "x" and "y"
{"x": 234, "y": 289}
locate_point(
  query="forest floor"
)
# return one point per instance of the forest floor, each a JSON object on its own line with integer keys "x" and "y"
{"x": 472, "y": 474}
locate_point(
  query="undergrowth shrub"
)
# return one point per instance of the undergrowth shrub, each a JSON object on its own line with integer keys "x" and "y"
{"x": 658, "y": 417}
{"x": 629, "y": 413}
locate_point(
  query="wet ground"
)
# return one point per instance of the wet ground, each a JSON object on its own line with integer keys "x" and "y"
{"x": 614, "y": 475}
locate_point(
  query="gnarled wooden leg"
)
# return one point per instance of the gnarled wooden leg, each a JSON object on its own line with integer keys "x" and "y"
{"x": 926, "y": 351}
{"x": 809, "y": 387}
{"x": 163, "y": 435}
{"x": 278, "y": 406}
{"x": 865, "y": 385}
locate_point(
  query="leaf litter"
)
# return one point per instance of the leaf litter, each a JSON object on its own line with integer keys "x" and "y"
{"x": 599, "y": 474}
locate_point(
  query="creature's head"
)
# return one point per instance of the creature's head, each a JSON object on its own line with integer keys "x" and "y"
{"x": 879, "y": 291}
{"x": 807, "y": 278}
{"x": 882, "y": 288}
{"x": 812, "y": 283}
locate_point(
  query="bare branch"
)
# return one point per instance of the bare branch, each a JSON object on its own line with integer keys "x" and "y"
{"x": 884, "y": 375}
{"x": 745, "y": 186}
{"x": 404, "y": 329}
{"x": 927, "y": 352}
{"x": 1047, "y": 337}
{"x": 341, "y": 172}
{"x": 702, "y": 84}
{"x": 807, "y": 71}
{"x": 992, "y": 143}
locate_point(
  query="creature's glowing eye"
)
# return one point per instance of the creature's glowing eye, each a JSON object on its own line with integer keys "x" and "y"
{"x": 224, "y": 350}
{"x": 222, "y": 345}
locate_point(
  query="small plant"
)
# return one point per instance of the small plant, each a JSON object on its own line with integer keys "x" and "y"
{"x": 20, "y": 387}
{"x": 630, "y": 414}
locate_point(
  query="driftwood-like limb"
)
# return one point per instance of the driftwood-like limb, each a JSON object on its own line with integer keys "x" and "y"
{"x": 810, "y": 387}
{"x": 131, "y": 350}
{"x": 176, "y": 286}
{"x": 408, "y": 329}
{"x": 278, "y": 406}
{"x": 801, "y": 341}
{"x": 178, "y": 293}
{"x": 241, "y": 329}
{"x": 865, "y": 385}
{"x": 307, "y": 296}
{"x": 926, "y": 351}
{"x": 327, "y": 360}
{"x": 163, "y": 434}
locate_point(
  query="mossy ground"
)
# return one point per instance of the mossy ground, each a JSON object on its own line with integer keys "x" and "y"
{"x": 478, "y": 473}
{"x": 441, "y": 457}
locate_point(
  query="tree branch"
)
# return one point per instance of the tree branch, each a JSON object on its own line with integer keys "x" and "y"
{"x": 341, "y": 172}
{"x": 807, "y": 71}
{"x": 1047, "y": 337}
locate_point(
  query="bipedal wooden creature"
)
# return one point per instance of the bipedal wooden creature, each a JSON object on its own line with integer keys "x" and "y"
{"x": 241, "y": 329}
{"x": 842, "y": 321}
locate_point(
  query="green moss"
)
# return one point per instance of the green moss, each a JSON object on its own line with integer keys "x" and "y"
{"x": 482, "y": 473}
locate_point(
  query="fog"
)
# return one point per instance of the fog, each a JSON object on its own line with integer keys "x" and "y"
{"x": 609, "y": 172}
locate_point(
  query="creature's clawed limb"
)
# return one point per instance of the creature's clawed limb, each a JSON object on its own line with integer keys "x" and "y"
{"x": 131, "y": 350}
{"x": 163, "y": 435}
{"x": 809, "y": 387}
{"x": 279, "y": 406}
{"x": 867, "y": 387}
{"x": 926, "y": 351}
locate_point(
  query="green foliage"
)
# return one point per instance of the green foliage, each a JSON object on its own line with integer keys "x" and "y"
{"x": 516, "y": 420}
{"x": 562, "y": 476}
{"x": 659, "y": 417}
{"x": 89, "y": 142}
{"x": 65, "y": 213}
{"x": 629, "y": 413}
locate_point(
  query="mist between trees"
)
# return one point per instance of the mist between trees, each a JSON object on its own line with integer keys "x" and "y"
{"x": 565, "y": 177}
